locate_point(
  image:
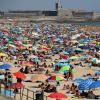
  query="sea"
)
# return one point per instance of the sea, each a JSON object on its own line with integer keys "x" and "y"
{"x": 97, "y": 23}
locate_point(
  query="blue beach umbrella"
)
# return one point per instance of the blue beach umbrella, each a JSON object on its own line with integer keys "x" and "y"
{"x": 98, "y": 72}
{"x": 64, "y": 52}
{"x": 84, "y": 85}
{"x": 37, "y": 60}
{"x": 78, "y": 80}
{"x": 95, "y": 84}
{"x": 5, "y": 66}
{"x": 60, "y": 64}
{"x": 63, "y": 61}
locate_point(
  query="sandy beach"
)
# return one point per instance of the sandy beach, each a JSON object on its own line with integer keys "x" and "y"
{"x": 48, "y": 57}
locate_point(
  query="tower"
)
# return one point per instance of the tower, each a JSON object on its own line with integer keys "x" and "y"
{"x": 58, "y": 5}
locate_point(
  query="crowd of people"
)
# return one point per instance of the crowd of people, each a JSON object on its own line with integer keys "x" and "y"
{"x": 41, "y": 48}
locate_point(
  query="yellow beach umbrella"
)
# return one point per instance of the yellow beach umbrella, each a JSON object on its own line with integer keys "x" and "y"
{"x": 3, "y": 54}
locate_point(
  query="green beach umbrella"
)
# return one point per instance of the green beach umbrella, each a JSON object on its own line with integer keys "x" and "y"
{"x": 56, "y": 78}
{"x": 64, "y": 68}
{"x": 83, "y": 57}
{"x": 94, "y": 60}
{"x": 73, "y": 58}
{"x": 78, "y": 49}
{"x": 81, "y": 44}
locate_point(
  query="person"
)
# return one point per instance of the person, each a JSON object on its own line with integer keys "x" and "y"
{"x": 77, "y": 93}
{"x": 73, "y": 86}
{"x": 58, "y": 83}
{"x": 91, "y": 95}
{"x": 69, "y": 74}
{"x": 21, "y": 70}
{"x": 96, "y": 77}
{"x": 15, "y": 90}
{"x": 47, "y": 71}
{"x": 26, "y": 71}
{"x": 83, "y": 94}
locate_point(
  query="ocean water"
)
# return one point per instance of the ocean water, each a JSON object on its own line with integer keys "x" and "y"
{"x": 89, "y": 23}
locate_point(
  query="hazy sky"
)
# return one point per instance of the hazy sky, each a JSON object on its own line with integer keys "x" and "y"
{"x": 48, "y": 4}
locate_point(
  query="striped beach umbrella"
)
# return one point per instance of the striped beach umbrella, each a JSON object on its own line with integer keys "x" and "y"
{"x": 56, "y": 78}
{"x": 84, "y": 85}
{"x": 95, "y": 84}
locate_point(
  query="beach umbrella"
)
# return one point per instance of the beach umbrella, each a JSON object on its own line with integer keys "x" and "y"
{"x": 11, "y": 46}
{"x": 1, "y": 63}
{"x": 73, "y": 58}
{"x": 56, "y": 77}
{"x": 78, "y": 49}
{"x": 37, "y": 60}
{"x": 64, "y": 52}
{"x": 17, "y": 85}
{"x": 2, "y": 77}
{"x": 64, "y": 68}
{"x": 29, "y": 64}
{"x": 57, "y": 95}
{"x": 32, "y": 56}
{"x": 95, "y": 60}
{"x": 63, "y": 61}
{"x": 3, "y": 54}
{"x": 84, "y": 85}
{"x": 63, "y": 56}
{"x": 98, "y": 73}
{"x": 19, "y": 75}
{"x": 71, "y": 50}
{"x": 83, "y": 57}
{"x": 84, "y": 47}
{"x": 61, "y": 64}
{"x": 5, "y": 66}
{"x": 95, "y": 84}
{"x": 25, "y": 52}
{"x": 3, "y": 47}
{"x": 78, "y": 80}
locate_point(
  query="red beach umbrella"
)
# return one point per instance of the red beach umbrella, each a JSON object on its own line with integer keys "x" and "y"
{"x": 57, "y": 95}
{"x": 17, "y": 85}
{"x": 19, "y": 75}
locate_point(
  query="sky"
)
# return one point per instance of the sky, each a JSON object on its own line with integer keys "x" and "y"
{"x": 91, "y": 5}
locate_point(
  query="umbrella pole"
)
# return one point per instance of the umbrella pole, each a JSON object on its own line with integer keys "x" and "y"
{"x": 20, "y": 93}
